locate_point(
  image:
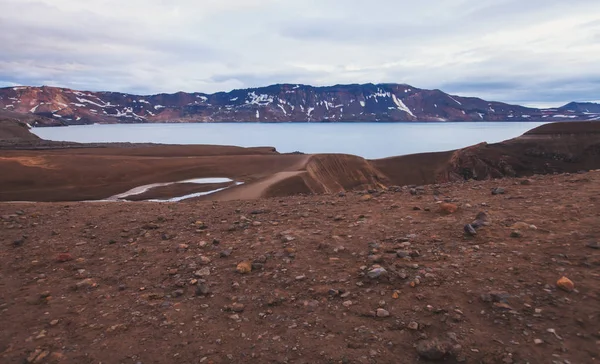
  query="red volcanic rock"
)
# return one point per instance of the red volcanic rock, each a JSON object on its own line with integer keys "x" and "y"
{"x": 276, "y": 103}
{"x": 64, "y": 257}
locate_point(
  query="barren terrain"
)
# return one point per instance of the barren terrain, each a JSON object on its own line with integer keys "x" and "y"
{"x": 157, "y": 282}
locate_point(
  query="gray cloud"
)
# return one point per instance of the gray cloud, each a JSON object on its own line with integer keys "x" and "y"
{"x": 539, "y": 51}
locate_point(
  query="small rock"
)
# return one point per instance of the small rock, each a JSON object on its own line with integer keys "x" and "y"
{"x": 469, "y": 229}
{"x": 366, "y": 198}
{"x": 225, "y": 253}
{"x": 64, "y": 257}
{"x": 202, "y": 272}
{"x": 498, "y": 191}
{"x": 433, "y": 349}
{"x": 526, "y": 182}
{"x": 593, "y": 245}
{"x": 538, "y": 341}
{"x": 86, "y": 283}
{"x": 237, "y": 307}
{"x": 448, "y": 208}
{"x": 347, "y": 303}
{"x": 413, "y": 325}
{"x": 376, "y": 273}
{"x": 204, "y": 260}
{"x": 382, "y": 313}
{"x": 54, "y": 322}
{"x": 516, "y": 234}
{"x": 244, "y": 267}
{"x": 565, "y": 284}
{"x": 177, "y": 293}
{"x": 202, "y": 289}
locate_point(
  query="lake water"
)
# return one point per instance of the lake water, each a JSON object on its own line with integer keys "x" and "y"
{"x": 369, "y": 140}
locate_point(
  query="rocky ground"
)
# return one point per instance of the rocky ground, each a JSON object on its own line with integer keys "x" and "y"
{"x": 385, "y": 277}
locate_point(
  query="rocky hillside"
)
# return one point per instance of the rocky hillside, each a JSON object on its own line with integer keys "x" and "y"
{"x": 276, "y": 103}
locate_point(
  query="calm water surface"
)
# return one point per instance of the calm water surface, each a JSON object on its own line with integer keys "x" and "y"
{"x": 369, "y": 140}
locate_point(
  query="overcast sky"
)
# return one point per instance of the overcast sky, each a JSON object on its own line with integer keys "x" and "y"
{"x": 534, "y": 52}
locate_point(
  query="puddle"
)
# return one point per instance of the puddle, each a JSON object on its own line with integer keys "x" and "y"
{"x": 142, "y": 189}
{"x": 192, "y": 195}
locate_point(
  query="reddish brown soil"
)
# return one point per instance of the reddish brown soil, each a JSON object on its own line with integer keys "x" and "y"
{"x": 139, "y": 305}
{"x": 90, "y": 174}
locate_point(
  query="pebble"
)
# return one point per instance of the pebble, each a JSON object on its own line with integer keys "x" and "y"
{"x": 433, "y": 349}
{"x": 413, "y": 325}
{"x": 225, "y": 253}
{"x": 382, "y": 313}
{"x": 86, "y": 283}
{"x": 516, "y": 234}
{"x": 498, "y": 191}
{"x": 448, "y": 208}
{"x": 64, "y": 257}
{"x": 376, "y": 273}
{"x": 244, "y": 267}
{"x": 538, "y": 341}
{"x": 237, "y": 307}
{"x": 593, "y": 245}
{"x": 202, "y": 289}
{"x": 202, "y": 272}
{"x": 566, "y": 284}
{"x": 347, "y": 303}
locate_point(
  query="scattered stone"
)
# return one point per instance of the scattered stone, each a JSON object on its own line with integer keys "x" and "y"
{"x": 178, "y": 293}
{"x": 237, "y": 307}
{"x": 64, "y": 257}
{"x": 593, "y": 245}
{"x": 244, "y": 267}
{"x": 566, "y": 284}
{"x": 377, "y": 272}
{"x": 482, "y": 219}
{"x": 523, "y": 226}
{"x": 202, "y": 272}
{"x": 204, "y": 260}
{"x": 526, "y": 182}
{"x": 347, "y": 303}
{"x": 86, "y": 284}
{"x": 413, "y": 325}
{"x": 402, "y": 254}
{"x": 54, "y": 322}
{"x": 470, "y": 229}
{"x": 434, "y": 349}
{"x": 495, "y": 296}
{"x": 516, "y": 234}
{"x": 382, "y": 313}
{"x": 448, "y": 208}
{"x": 366, "y": 198}
{"x": 538, "y": 341}
{"x": 498, "y": 191}
{"x": 225, "y": 253}
{"x": 202, "y": 289}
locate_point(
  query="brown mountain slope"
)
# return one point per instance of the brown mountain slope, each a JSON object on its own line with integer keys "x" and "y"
{"x": 274, "y": 103}
{"x": 80, "y": 173}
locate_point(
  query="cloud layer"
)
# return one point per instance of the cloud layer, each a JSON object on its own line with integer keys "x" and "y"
{"x": 534, "y": 52}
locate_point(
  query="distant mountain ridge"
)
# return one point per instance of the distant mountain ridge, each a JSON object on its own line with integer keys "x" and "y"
{"x": 276, "y": 103}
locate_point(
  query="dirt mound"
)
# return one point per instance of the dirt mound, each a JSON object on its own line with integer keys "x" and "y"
{"x": 333, "y": 279}
{"x": 550, "y": 148}
{"x": 567, "y": 128}
{"x": 15, "y": 131}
